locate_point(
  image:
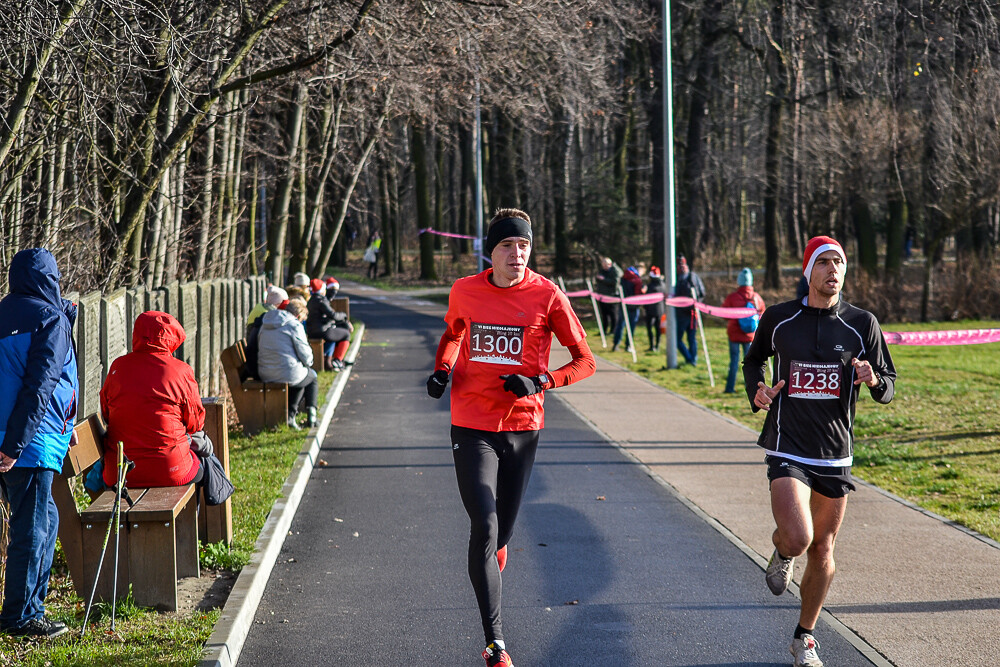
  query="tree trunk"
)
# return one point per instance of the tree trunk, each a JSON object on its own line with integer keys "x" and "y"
{"x": 467, "y": 187}
{"x": 418, "y": 152}
{"x": 278, "y": 232}
{"x": 772, "y": 147}
{"x": 562, "y": 147}
{"x": 207, "y": 187}
{"x": 864, "y": 228}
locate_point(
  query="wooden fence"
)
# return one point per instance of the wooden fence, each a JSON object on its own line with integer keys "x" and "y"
{"x": 212, "y": 312}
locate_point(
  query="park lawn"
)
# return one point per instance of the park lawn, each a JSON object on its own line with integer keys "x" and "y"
{"x": 937, "y": 444}
{"x": 258, "y": 468}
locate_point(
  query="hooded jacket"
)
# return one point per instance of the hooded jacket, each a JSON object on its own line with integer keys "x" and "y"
{"x": 151, "y": 402}
{"x": 283, "y": 352}
{"x": 38, "y": 376}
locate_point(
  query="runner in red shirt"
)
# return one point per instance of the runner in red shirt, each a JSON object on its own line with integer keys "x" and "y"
{"x": 496, "y": 350}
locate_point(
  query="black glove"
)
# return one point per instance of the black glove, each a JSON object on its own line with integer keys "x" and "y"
{"x": 521, "y": 385}
{"x": 436, "y": 384}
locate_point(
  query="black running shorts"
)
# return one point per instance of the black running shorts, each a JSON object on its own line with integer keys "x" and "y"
{"x": 829, "y": 482}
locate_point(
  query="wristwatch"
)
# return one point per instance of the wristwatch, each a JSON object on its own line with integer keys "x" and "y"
{"x": 543, "y": 379}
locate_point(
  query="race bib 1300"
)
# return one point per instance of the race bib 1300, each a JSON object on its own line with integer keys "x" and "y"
{"x": 808, "y": 379}
{"x": 496, "y": 343}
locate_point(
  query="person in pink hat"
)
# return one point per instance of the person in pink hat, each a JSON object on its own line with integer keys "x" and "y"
{"x": 825, "y": 349}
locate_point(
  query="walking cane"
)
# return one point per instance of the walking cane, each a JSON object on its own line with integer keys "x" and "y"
{"x": 118, "y": 513}
{"x": 115, "y": 512}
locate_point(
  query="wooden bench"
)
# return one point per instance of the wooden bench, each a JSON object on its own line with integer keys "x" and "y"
{"x": 258, "y": 404}
{"x": 341, "y": 304}
{"x": 158, "y": 534}
{"x": 215, "y": 522}
{"x": 317, "y": 349}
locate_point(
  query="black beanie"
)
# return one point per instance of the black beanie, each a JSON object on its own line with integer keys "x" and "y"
{"x": 505, "y": 228}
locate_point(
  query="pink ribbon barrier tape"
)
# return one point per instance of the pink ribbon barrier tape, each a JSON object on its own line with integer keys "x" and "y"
{"x": 951, "y": 337}
{"x": 448, "y": 234}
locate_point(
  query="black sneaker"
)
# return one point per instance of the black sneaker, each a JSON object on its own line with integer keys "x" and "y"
{"x": 43, "y": 627}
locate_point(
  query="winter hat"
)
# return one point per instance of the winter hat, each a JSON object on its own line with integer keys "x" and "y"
{"x": 317, "y": 286}
{"x": 654, "y": 271}
{"x": 682, "y": 265}
{"x": 332, "y": 283}
{"x": 275, "y": 295}
{"x": 745, "y": 278}
{"x": 300, "y": 280}
{"x": 817, "y": 246}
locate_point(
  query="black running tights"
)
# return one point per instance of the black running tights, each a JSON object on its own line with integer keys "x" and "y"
{"x": 493, "y": 471}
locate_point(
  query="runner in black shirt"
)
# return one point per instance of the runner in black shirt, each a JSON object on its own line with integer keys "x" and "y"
{"x": 824, "y": 351}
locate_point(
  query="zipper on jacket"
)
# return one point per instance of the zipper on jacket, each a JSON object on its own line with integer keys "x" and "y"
{"x": 69, "y": 413}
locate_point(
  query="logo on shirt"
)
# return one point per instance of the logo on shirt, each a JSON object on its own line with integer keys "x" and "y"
{"x": 455, "y": 446}
{"x": 838, "y": 348}
{"x": 496, "y": 343}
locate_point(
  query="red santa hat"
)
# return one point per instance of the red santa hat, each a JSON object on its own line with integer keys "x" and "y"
{"x": 331, "y": 283}
{"x": 317, "y": 286}
{"x": 817, "y": 246}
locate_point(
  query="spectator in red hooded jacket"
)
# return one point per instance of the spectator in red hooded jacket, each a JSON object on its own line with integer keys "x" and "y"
{"x": 741, "y": 331}
{"x": 151, "y": 402}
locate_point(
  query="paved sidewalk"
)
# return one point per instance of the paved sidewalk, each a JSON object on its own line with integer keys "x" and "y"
{"x": 922, "y": 591}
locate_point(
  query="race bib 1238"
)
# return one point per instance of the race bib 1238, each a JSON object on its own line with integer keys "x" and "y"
{"x": 818, "y": 380}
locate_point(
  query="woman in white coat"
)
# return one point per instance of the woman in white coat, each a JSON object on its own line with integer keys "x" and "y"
{"x": 284, "y": 355}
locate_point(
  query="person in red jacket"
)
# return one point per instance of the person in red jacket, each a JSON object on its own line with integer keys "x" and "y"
{"x": 151, "y": 403}
{"x": 741, "y": 331}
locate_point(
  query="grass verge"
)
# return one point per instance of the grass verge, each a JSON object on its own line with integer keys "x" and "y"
{"x": 936, "y": 444}
{"x": 258, "y": 468}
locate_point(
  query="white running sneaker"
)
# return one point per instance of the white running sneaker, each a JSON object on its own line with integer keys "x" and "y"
{"x": 778, "y": 573}
{"x": 804, "y": 652}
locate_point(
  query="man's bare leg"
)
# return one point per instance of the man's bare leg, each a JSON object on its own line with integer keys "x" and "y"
{"x": 827, "y": 515}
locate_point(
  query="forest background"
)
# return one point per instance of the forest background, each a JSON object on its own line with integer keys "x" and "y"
{"x": 148, "y": 141}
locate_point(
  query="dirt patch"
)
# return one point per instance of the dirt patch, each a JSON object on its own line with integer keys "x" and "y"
{"x": 209, "y": 591}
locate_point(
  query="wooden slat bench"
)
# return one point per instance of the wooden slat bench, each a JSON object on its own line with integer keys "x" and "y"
{"x": 215, "y": 522}
{"x": 317, "y": 349}
{"x": 341, "y": 304}
{"x": 158, "y": 533}
{"x": 258, "y": 404}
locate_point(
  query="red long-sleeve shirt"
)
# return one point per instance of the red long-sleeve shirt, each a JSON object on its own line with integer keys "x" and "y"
{"x": 493, "y": 331}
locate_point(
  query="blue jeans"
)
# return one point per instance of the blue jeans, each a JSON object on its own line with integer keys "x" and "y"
{"x": 633, "y": 320}
{"x": 734, "y": 362}
{"x": 34, "y": 525}
{"x": 690, "y": 353}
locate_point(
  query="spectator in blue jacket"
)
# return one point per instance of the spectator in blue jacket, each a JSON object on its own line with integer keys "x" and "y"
{"x": 38, "y": 392}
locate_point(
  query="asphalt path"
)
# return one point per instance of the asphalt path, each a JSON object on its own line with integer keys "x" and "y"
{"x": 606, "y": 566}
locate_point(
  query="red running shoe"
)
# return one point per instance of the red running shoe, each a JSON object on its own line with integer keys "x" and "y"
{"x": 496, "y": 657}
{"x": 502, "y": 557}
